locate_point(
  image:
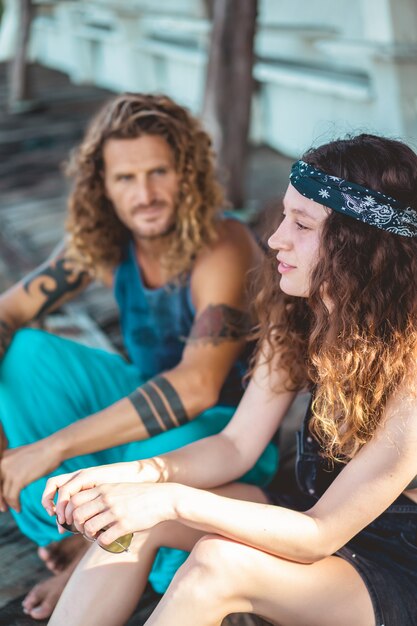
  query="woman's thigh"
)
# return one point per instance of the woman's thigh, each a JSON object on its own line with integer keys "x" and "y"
{"x": 324, "y": 593}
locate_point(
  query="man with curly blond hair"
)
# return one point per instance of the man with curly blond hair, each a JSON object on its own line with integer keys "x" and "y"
{"x": 145, "y": 218}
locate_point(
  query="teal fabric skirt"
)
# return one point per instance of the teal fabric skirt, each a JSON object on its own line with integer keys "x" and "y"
{"x": 47, "y": 383}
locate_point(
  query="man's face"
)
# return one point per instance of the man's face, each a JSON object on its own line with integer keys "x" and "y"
{"x": 142, "y": 183}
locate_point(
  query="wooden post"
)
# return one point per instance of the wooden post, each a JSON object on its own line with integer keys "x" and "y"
{"x": 229, "y": 86}
{"x": 19, "y": 87}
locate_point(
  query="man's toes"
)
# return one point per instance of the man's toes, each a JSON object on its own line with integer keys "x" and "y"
{"x": 44, "y": 553}
{"x": 51, "y": 558}
{"x": 59, "y": 554}
{"x": 42, "y": 611}
{"x": 42, "y": 599}
{"x": 33, "y": 599}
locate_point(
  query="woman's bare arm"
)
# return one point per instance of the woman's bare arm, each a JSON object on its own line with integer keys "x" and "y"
{"x": 361, "y": 492}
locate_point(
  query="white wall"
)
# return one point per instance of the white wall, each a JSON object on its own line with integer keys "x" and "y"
{"x": 323, "y": 68}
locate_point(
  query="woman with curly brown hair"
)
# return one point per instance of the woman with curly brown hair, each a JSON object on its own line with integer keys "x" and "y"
{"x": 146, "y": 218}
{"x": 340, "y": 318}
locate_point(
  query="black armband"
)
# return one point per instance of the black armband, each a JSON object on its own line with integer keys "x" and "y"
{"x": 158, "y": 406}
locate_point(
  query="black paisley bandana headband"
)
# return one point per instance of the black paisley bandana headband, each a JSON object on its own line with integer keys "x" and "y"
{"x": 372, "y": 207}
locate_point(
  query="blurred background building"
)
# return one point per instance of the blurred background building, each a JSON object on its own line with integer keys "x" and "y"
{"x": 322, "y": 67}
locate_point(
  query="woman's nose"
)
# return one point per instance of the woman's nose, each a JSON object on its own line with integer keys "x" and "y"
{"x": 279, "y": 239}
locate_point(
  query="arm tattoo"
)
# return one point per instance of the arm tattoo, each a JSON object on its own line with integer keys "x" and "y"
{"x": 219, "y": 323}
{"x": 6, "y": 334}
{"x": 66, "y": 278}
{"x": 158, "y": 406}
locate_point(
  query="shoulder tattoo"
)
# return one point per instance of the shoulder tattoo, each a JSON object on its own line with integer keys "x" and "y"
{"x": 61, "y": 277}
{"x": 218, "y": 323}
{"x": 158, "y": 405}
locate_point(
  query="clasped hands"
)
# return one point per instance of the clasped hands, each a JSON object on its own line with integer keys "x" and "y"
{"x": 106, "y": 502}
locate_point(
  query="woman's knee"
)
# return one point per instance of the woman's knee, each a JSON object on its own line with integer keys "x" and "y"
{"x": 217, "y": 559}
{"x": 208, "y": 579}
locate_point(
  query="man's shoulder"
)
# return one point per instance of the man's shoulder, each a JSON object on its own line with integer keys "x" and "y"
{"x": 229, "y": 258}
{"x": 231, "y": 229}
{"x": 233, "y": 238}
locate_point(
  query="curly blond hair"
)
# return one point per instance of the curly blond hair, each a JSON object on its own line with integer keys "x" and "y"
{"x": 358, "y": 355}
{"x": 96, "y": 235}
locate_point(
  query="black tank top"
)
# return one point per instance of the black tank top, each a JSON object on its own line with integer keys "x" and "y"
{"x": 314, "y": 473}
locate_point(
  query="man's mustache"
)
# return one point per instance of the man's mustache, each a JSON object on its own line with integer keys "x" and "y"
{"x": 155, "y": 204}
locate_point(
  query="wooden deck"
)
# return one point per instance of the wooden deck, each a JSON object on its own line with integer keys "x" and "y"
{"x": 32, "y": 212}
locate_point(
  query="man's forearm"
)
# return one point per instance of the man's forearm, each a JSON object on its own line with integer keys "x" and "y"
{"x": 113, "y": 426}
{"x": 153, "y": 408}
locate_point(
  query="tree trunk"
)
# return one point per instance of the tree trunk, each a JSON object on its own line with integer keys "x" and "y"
{"x": 19, "y": 87}
{"x": 229, "y": 86}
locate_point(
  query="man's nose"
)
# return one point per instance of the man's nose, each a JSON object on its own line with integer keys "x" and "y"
{"x": 143, "y": 192}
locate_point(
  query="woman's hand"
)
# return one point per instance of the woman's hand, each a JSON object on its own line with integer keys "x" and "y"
{"x": 109, "y": 511}
{"x": 21, "y": 466}
{"x": 67, "y": 485}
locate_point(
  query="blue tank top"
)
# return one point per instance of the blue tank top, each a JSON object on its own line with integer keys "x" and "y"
{"x": 155, "y": 324}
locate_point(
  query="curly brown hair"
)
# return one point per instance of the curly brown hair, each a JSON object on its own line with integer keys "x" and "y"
{"x": 360, "y": 353}
{"x": 96, "y": 235}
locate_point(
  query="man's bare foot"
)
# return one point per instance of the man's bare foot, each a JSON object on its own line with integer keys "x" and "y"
{"x": 59, "y": 554}
{"x": 43, "y": 597}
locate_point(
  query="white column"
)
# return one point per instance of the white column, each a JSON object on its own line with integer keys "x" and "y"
{"x": 8, "y": 29}
{"x": 392, "y": 26}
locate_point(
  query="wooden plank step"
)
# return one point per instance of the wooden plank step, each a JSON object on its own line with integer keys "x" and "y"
{"x": 74, "y": 323}
{"x": 20, "y": 564}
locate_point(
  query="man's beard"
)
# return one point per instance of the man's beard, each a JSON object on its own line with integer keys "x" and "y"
{"x": 161, "y": 235}
{"x": 165, "y": 232}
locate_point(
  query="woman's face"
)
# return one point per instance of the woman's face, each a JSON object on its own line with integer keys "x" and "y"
{"x": 297, "y": 241}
